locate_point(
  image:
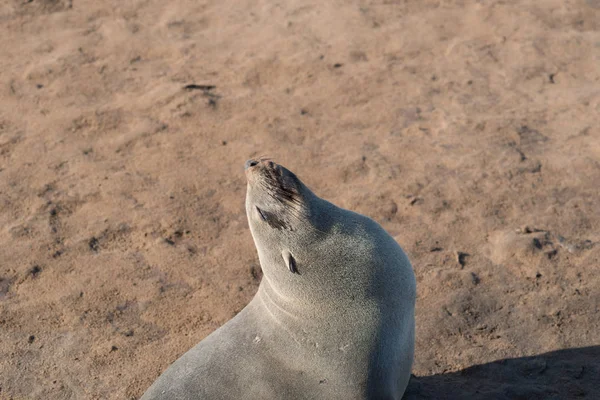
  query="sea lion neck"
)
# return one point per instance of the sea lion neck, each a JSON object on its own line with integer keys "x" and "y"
{"x": 306, "y": 303}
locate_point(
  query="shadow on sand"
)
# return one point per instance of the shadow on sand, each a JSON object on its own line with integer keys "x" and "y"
{"x": 563, "y": 374}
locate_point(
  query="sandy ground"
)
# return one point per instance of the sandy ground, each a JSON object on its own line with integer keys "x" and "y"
{"x": 469, "y": 129}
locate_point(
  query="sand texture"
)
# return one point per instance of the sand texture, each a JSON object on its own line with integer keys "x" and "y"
{"x": 469, "y": 129}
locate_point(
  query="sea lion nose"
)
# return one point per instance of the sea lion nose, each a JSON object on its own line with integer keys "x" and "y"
{"x": 250, "y": 163}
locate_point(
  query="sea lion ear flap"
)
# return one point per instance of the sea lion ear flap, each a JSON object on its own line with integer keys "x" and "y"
{"x": 290, "y": 262}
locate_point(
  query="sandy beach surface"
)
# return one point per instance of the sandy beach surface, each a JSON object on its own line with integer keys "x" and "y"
{"x": 469, "y": 129}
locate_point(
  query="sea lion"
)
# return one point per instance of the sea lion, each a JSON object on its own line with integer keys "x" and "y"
{"x": 333, "y": 317}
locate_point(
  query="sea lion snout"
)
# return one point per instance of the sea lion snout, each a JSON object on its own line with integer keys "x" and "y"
{"x": 263, "y": 169}
{"x": 264, "y": 162}
{"x": 250, "y": 163}
{"x": 275, "y": 196}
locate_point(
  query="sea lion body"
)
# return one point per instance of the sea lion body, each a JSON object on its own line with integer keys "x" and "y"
{"x": 333, "y": 317}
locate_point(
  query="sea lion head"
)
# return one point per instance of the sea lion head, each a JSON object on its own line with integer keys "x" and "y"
{"x": 285, "y": 217}
{"x": 296, "y": 233}
{"x": 276, "y": 198}
{"x": 309, "y": 248}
